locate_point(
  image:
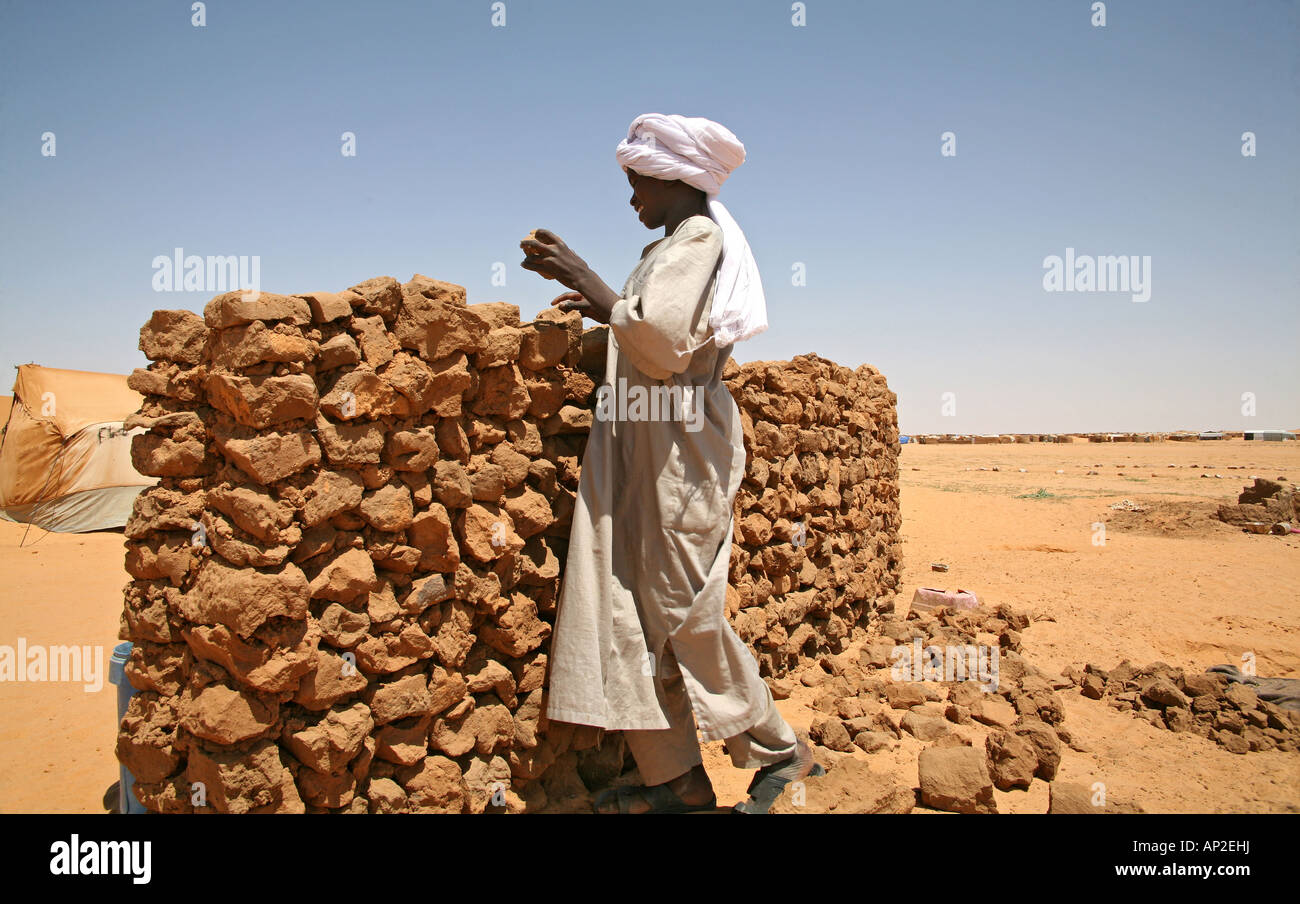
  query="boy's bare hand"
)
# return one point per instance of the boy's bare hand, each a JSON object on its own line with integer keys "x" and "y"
{"x": 575, "y": 301}
{"x": 549, "y": 256}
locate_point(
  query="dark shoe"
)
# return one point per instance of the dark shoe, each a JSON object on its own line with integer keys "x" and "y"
{"x": 660, "y": 798}
{"x": 770, "y": 781}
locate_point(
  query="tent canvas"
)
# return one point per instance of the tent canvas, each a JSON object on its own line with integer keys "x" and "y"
{"x": 65, "y": 456}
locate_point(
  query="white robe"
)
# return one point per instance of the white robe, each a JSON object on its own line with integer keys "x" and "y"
{"x": 650, "y": 543}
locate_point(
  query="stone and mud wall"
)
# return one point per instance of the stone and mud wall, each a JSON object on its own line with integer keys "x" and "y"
{"x": 344, "y": 584}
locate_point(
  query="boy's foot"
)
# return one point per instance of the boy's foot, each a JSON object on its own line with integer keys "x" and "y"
{"x": 689, "y": 791}
{"x": 771, "y": 780}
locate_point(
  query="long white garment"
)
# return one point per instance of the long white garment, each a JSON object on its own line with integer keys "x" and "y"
{"x": 650, "y": 545}
{"x": 703, "y": 153}
{"x": 743, "y": 312}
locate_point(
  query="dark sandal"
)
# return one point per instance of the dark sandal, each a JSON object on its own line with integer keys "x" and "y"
{"x": 768, "y": 783}
{"x": 660, "y": 798}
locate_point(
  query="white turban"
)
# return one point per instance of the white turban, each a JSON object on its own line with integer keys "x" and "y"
{"x": 702, "y": 153}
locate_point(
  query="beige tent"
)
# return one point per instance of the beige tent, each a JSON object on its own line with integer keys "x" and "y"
{"x": 65, "y": 458}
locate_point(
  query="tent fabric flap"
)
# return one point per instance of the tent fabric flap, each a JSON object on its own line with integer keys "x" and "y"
{"x": 89, "y": 510}
{"x": 65, "y": 445}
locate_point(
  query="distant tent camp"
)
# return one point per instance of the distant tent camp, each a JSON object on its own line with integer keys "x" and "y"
{"x": 65, "y": 457}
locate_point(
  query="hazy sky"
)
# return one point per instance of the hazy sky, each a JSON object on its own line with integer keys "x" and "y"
{"x": 1117, "y": 140}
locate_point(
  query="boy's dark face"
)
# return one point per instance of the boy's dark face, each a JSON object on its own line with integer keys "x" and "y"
{"x": 652, "y": 197}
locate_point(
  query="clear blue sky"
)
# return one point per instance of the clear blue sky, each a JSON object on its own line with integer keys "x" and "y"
{"x": 225, "y": 140}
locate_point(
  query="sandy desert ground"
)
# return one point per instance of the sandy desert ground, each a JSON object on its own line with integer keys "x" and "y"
{"x": 1171, "y": 584}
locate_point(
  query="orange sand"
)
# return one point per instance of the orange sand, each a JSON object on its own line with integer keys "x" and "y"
{"x": 1195, "y": 595}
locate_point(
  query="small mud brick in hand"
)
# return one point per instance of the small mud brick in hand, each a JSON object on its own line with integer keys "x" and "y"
{"x": 532, "y": 251}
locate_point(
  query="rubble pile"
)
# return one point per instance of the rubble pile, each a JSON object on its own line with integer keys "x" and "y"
{"x": 932, "y": 676}
{"x": 1207, "y": 704}
{"x": 1268, "y": 506}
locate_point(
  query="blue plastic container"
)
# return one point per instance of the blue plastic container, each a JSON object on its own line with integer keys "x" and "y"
{"x": 125, "y": 691}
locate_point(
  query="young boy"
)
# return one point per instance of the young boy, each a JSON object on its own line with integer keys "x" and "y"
{"x": 641, "y": 640}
